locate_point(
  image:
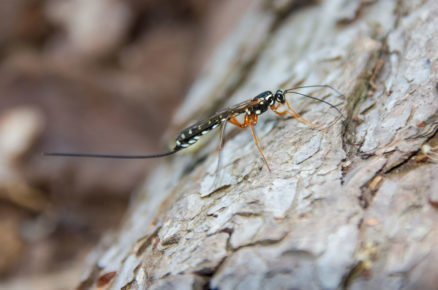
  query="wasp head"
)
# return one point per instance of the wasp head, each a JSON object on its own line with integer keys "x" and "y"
{"x": 279, "y": 97}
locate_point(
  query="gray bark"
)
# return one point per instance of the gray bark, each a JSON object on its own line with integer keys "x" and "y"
{"x": 351, "y": 206}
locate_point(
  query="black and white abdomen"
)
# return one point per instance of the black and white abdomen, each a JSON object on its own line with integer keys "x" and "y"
{"x": 192, "y": 134}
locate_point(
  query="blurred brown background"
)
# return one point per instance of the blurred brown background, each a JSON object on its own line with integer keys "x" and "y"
{"x": 87, "y": 75}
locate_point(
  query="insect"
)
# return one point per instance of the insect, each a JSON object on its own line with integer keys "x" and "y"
{"x": 251, "y": 109}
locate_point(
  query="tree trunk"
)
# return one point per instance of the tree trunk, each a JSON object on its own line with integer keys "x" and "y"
{"x": 351, "y": 206}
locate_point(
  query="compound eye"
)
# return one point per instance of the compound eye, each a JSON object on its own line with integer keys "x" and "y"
{"x": 279, "y": 97}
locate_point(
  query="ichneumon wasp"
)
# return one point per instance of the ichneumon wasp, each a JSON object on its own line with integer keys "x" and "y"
{"x": 251, "y": 109}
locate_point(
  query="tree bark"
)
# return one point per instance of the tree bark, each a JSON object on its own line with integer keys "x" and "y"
{"x": 353, "y": 206}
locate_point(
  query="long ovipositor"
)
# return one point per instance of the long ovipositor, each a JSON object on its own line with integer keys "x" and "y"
{"x": 251, "y": 109}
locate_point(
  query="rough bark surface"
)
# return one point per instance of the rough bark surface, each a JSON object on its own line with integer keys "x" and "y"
{"x": 353, "y": 206}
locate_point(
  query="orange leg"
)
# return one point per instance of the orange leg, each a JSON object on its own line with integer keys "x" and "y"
{"x": 251, "y": 121}
{"x": 294, "y": 114}
{"x": 256, "y": 141}
{"x": 235, "y": 122}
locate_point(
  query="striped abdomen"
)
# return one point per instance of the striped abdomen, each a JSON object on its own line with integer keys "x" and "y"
{"x": 192, "y": 134}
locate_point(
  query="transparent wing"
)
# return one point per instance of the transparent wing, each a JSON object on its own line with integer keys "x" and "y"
{"x": 238, "y": 108}
{"x": 218, "y": 116}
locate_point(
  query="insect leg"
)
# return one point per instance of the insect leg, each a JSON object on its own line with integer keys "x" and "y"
{"x": 299, "y": 118}
{"x": 218, "y": 176}
{"x": 252, "y": 121}
{"x": 222, "y": 135}
{"x": 294, "y": 114}
{"x": 236, "y": 122}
